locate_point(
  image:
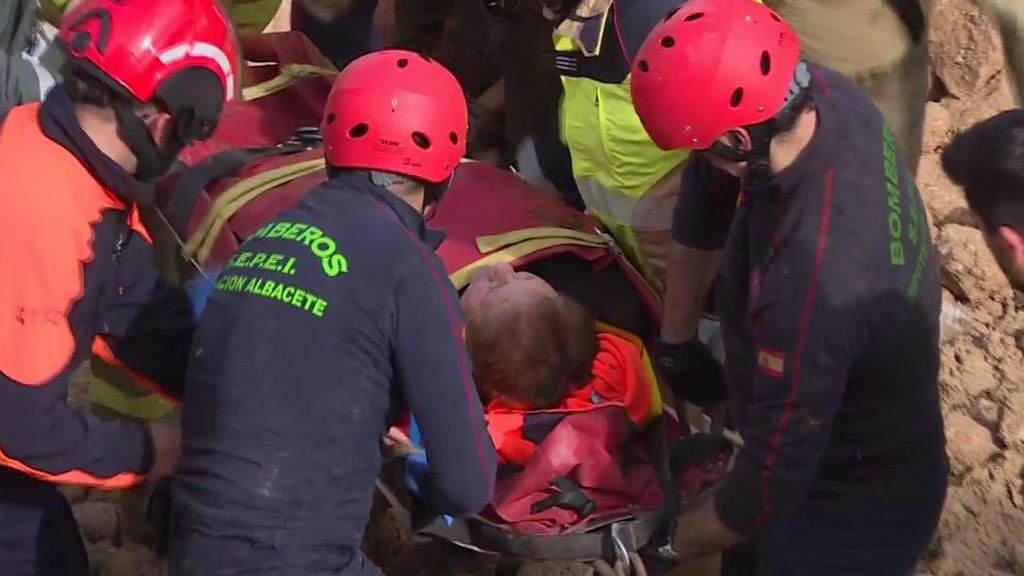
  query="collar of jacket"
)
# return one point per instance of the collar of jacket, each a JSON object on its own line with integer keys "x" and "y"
{"x": 58, "y": 122}
{"x": 359, "y": 181}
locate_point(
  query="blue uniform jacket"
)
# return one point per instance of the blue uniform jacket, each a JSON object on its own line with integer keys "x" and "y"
{"x": 327, "y": 322}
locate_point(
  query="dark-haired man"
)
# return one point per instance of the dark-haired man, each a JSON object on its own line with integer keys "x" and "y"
{"x": 827, "y": 292}
{"x": 987, "y": 161}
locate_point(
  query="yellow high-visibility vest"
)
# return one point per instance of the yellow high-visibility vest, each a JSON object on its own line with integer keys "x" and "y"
{"x": 614, "y": 160}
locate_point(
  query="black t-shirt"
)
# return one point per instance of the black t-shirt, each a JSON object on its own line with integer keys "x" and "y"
{"x": 829, "y": 299}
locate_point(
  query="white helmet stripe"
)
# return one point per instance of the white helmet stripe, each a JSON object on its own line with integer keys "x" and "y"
{"x": 204, "y": 50}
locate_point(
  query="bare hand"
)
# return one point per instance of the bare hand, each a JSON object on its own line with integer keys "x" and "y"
{"x": 398, "y": 444}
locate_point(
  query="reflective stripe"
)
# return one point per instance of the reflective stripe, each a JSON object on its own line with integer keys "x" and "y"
{"x": 615, "y": 163}
{"x": 495, "y": 242}
{"x": 290, "y": 73}
{"x": 461, "y": 277}
{"x": 127, "y": 402}
{"x": 203, "y": 50}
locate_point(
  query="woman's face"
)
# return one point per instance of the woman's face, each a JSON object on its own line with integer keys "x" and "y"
{"x": 498, "y": 286}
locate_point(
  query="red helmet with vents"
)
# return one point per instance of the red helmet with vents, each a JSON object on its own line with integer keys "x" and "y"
{"x": 712, "y": 66}
{"x": 396, "y": 111}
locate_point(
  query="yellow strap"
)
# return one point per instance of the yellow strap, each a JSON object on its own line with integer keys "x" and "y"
{"x": 461, "y": 277}
{"x": 202, "y": 241}
{"x": 289, "y": 74}
{"x": 233, "y": 199}
{"x": 488, "y": 244}
{"x": 147, "y": 407}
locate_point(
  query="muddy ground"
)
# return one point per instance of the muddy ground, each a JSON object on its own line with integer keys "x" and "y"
{"x": 981, "y": 378}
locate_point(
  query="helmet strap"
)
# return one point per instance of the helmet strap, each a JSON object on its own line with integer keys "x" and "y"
{"x": 433, "y": 193}
{"x": 152, "y": 161}
{"x": 758, "y": 157}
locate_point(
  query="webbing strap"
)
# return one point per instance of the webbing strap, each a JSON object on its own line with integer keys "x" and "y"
{"x": 289, "y": 74}
{"x": 493, "y": 243}
{"x": 597, "y": 543}
{"x": 193, "y": 180}
{"x": 202, "y": 241}
{"x": 145, "y": 407}
{"x": 569, "y": 496}
{"x": 461, "y": 277}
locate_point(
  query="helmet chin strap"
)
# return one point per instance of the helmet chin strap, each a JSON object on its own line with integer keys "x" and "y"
{"x": 152, "y": 162}
{"x": 433, "y": 193}
{"x": 758, "y": 157}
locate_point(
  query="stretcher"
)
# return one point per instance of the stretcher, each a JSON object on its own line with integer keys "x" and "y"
{"x": 226, "y": 189}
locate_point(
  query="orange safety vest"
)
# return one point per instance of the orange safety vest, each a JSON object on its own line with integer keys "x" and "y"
{"x": 53, "y": 208}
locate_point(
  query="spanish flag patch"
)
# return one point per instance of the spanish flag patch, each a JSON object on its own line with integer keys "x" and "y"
{"x": 771, "y": 362}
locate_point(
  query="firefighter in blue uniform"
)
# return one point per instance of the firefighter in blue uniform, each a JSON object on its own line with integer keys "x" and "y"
{"x": 328, "y": 322}
{"x": 827, "y": 291}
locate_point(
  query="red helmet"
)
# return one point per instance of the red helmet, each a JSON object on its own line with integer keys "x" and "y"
{"x": 396, "y": 111}
{"x": 137, "y": 46}
{"x": 710, "y": 67}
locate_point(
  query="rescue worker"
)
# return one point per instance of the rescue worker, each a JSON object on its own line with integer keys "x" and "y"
{"x": 828, "y": 295}
{"x": 883, "y": 46}
{"x": 987, "y": 162}
{"x": 624, "y": 179}
{"x": 330, "y": 321}
{"x": 78, "y": 275}
{"x": 501, "y": 52}
{"x": 628, "y": 183}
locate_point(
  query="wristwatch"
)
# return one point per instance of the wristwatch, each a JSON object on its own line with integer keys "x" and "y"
{"x": 667, "y": 549}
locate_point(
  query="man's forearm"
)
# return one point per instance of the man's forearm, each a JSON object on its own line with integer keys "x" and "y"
{"x": 688, "y": 279}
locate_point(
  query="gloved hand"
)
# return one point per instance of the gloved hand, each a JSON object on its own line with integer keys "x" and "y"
{"x": 199, "y": 290}
{"x": 691, "y": 371}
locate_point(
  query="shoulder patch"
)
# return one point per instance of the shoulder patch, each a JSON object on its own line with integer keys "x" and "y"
{"x": 771, "y": 362}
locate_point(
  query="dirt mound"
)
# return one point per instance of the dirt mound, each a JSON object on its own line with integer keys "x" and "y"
{"x": 981, "y": 377}
{"x": 982, "y": 361}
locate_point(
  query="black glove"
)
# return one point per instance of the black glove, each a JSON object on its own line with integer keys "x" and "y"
{"x": 691, "y": 371}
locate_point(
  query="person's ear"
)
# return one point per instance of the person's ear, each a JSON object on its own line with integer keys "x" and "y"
{"x": 737, "y": 139}
{"x": 160, "y": 125}
{"x": 1013, "y": 242}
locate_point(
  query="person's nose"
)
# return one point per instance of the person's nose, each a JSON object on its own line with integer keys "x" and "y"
{"x": 502, "y": 273}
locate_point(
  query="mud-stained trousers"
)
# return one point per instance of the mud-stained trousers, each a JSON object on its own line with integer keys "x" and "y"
{"x": 193, "y": 553}
{"x": 872, "y": 541}
{"x": 38, "y": 532}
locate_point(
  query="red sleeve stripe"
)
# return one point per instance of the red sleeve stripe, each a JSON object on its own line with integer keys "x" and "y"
{"x": 805, "y": 320}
